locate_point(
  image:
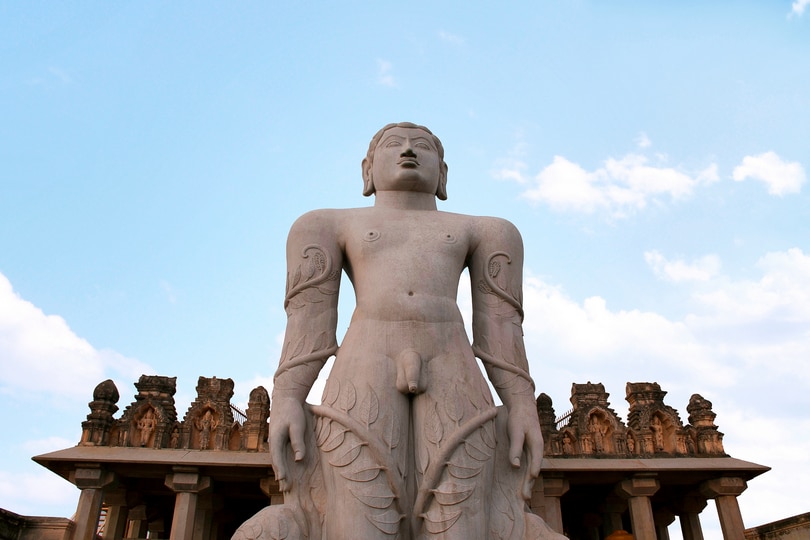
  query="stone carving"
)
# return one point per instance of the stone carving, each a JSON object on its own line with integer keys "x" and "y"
{"x": 146, "y": 426}
{"x": 147, "y": 422}
{"x": 703, "y": 434}
{"x": 96, "y": 429}
{"x": 254, "y": 431}
{"x": 209, "y": 419}
{"x": 593, "y": 429}
{"x": 151, "y": 420}
{"x": 406, "y": 442}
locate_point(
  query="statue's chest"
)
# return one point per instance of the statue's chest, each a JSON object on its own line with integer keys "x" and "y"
{"x": 408, "y": 240}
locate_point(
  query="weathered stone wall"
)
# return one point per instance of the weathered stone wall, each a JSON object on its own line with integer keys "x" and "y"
{"x": 16, "y": 527}
{"x": 793, "y": 528}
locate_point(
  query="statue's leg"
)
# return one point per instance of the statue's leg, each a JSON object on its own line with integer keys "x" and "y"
{"x": 362, "y": 436}
{"x": 454, "y": 445}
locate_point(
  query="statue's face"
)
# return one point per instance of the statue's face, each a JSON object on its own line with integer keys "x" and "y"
{"x": 406, "y": 159}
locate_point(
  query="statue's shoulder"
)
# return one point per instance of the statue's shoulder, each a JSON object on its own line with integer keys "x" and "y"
{"x": 490, "y": 228}
{"x": 323, "y": 218}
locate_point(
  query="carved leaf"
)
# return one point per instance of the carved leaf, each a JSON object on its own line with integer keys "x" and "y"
{"x": 475, "y": 452}
{"x": 463, "y": 473}
{"x": 363, "y": 475}
{"x": 488, "y": 434}
{"x": 423, "y": 459}
{"x": 494, "y": 268}
{"x": 335, "y": 440}
{"x": 348, "y": 456}
{"x": 296, "y": 277}
{"x": 299, "y": 346}
{"x": 448, "y": 494}
{"x": 321, "y": 341}
{"x": 387, "y": 522}
{"x": 439, "y": 522}
{"x": 500, "y": 500}
{"x": 278, "y": 529}
{"x": 348, "y": 396}
{"x": 370, "y": 408}
{"x": 391, "y": 433}
{"x": 323, "y": 429}
{"x": 374, "y": 496}
{"x": 453, "y": 406}
{"x": 319, "y": 260}
{"x": 433, "y": 427}
{"x": 331, "y": 392}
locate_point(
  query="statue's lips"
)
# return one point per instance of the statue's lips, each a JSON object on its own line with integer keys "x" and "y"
{"x": 409, "y": 163}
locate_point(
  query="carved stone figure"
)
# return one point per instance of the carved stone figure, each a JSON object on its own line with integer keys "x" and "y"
{"x": 205, "y": 424}
{"x": 407, "y": 442}
{"x": 658, "y": 433}
{"x": 598, "y": 430}
{"x": 146, "y": 425}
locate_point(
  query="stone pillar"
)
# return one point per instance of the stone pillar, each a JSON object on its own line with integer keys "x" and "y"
{"x": 638, "y": 490}
{"x": 613, "y": 509}
{"x": 554, "y": 487}
{"x": 187, "y": 483}
{"x": 116, "y": 501}
{"x": 724, "y": 491}
{"x": 138, "y": 524}
{"x": 269, "y": 487}
{"x": 663, "y": 519}
{"x": 92, "y": 480}
{"x": 689, "y": 515}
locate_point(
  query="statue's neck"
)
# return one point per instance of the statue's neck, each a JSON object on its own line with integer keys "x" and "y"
{"x": 405, "y": 200}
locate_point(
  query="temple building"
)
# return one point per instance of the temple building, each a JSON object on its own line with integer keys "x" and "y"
{"x": 151, "y": 474}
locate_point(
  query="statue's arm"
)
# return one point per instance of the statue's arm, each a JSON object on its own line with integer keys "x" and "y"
{"x": 314, "y": 263}
{"x": 496, "y": 275}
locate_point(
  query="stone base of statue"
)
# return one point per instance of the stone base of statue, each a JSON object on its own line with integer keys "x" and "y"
{"x": 453, "y": 500}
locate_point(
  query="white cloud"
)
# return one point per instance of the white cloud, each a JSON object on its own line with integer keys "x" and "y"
{"x": 451, "y": 38}
{"x": 171, "y": 294}
{"x": 49, "y": 444}
{"x": 702, "y": 269}
{"x": 620, "y": 187}
{"x": 384, "y": 76}
{"x": 40, "y": 352}
{"x": 643, "y": 141}
{"x": 744, "y": 346}
{"x": 36, "y": 494}
{"x": 780, "y": 176}
{"x": 512, "y": 169}
{"x": 799, "y": 6}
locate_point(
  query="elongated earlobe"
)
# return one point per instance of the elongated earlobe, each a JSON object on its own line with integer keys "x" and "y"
{"x": 368, "y": 182}
{"x": 441, "y": 189}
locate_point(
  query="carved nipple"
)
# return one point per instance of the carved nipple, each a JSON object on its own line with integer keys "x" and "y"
{"x": 409, "y": 372}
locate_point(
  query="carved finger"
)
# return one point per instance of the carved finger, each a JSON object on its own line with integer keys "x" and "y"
{"x": 516, "y": 440}
{"x": 297, "y": 440}
{"x": 279, "y": 468}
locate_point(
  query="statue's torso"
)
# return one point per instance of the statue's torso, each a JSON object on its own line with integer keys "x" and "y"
{"x": 405, "y": 265}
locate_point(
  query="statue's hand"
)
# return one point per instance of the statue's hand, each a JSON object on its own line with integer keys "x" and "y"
{"x": 524, "y": 431}
{"x": 287, "y": 423}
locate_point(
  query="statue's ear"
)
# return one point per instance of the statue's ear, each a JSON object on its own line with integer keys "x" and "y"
{"x": 441, "y": 190}
{"x": 368, "y": 182}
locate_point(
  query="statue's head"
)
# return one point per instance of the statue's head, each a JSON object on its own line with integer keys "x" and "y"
{"x": 368, "y": 177}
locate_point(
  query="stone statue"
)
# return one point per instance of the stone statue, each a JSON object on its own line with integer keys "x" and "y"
{"x": 205, "y": 424}
{"x": 147, "y": 426}
{"x": 407, "y": 442}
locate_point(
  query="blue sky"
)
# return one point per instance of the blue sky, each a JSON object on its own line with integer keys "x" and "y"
{"x": 654, "y": 156}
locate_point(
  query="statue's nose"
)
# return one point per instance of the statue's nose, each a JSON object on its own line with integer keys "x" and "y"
{"x": 408, "y": 152}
